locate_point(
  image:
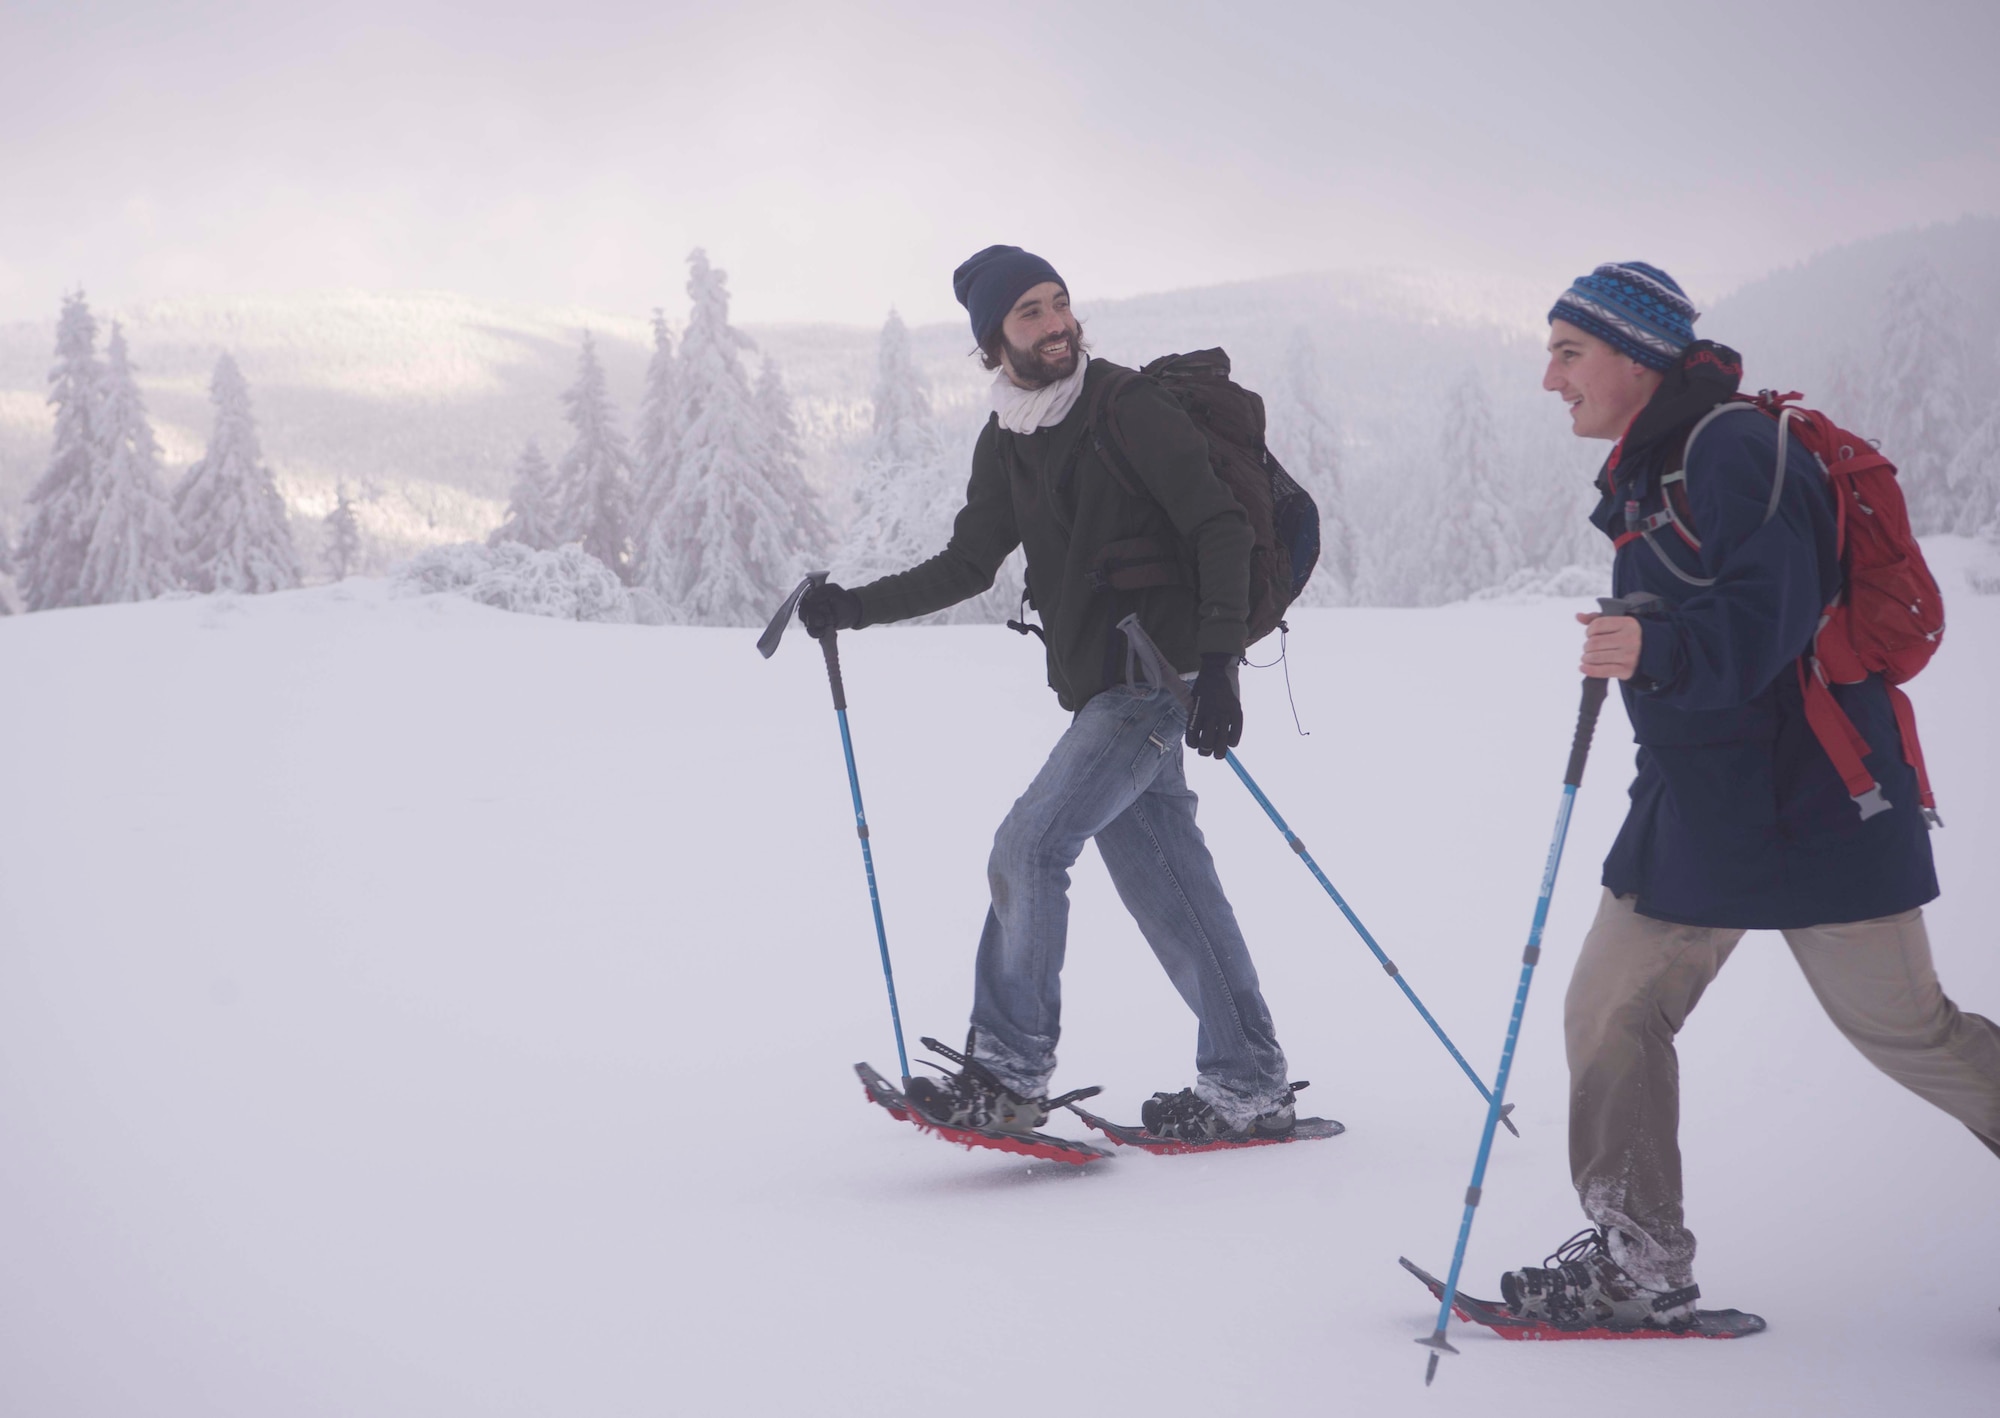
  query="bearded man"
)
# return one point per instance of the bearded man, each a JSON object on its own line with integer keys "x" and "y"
{"x": 1040, "y": 481}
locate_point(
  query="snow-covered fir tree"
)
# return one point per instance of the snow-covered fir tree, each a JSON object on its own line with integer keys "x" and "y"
{"x": 904, "y": 498}
{"x": 531, "y": 513}
{"x": 1918, "y": 401}
{"x": 62, "y": 505}
{"x": 343, "y": 536}
{"x": 234, "y": 534}
{"x": 653, "y": 459}
{"x": 740, "y": 523}
{"x": 1477, "y": 541}
{"x": 784, "y": 459}
{"x": 132, "y": 554}
{"x": 653, "y": 441}
{"x": 1974, "y": 475}
{"x": 592, "y": 496}
{"x": 1310, "y": 438}
{"x": 6, "y": 560}
{"x": 1393, "y": 567}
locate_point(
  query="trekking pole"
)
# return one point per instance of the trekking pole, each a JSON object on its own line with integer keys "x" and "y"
{"x": 1586, "y": 725}
{"x": 1162, "y": 672}
{"x": 767, "y": 645}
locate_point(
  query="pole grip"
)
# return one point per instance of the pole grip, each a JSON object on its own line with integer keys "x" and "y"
{"x": 1594, "y": 691}
{"x": 832, "y": 653}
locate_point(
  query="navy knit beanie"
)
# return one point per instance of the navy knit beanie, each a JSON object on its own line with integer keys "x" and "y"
{"x": 988, "y": 284}
{"x": 1638, "y": 310}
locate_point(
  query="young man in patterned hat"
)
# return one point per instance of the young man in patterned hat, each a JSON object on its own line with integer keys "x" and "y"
{"x": 1739, "y": 820}
{"x": 1039, "y": 482}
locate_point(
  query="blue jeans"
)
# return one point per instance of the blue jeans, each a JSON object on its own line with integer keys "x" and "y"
{"x": 1116, "y": 775}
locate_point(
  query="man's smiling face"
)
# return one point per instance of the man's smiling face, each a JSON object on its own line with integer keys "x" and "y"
{"x": 1604, "y": 389}
{"x": 1040, "y": 341}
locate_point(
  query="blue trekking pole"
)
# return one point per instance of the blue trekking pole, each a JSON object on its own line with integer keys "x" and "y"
{"x": 1579, "y": 749}
{"x": 767, "y": 645}
{"x": 1160, "y": 672}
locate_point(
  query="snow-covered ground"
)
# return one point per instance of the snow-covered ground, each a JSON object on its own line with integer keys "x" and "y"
{"x": 408, "y": 1008}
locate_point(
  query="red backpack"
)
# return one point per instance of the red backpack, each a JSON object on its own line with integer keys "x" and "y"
{"x": 1888, "y": 617}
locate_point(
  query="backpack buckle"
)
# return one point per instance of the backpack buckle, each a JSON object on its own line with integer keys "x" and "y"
{"x": 1872, "y": 802}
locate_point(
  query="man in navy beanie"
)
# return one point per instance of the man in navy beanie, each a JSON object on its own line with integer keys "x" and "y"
{"x": 1040, "y": 482}
{"x": 1724, "y": 536}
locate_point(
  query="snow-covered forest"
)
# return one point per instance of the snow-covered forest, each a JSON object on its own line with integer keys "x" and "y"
{"x": 704, "y": 467}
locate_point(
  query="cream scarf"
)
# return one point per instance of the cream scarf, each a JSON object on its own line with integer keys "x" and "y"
{"x": 1025, "y": 410}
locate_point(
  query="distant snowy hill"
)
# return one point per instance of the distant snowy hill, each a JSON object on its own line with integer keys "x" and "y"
{"x": 421, "y": 402}
{"x": 1796, "y": 326}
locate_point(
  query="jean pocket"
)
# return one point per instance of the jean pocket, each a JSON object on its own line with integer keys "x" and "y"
{"x": 1154, "y": 750}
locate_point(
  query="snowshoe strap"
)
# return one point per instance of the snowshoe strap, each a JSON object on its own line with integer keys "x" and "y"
{"x": 1075, "y": 1095}
{"x": 1686, "y": 1295}
{"x": 944, "y": 1050}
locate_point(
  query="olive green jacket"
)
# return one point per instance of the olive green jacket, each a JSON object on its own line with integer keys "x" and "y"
{"x": 1051, "y": 492}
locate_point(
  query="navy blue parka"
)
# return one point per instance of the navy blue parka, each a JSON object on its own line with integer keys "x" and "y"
{"x": 1738, "y": 816}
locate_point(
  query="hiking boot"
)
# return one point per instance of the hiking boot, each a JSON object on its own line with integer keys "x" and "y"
{"x": 972, "y": 1097}
{"x": 1582, "y": 1287}
{"x": 1185, "y": 1117}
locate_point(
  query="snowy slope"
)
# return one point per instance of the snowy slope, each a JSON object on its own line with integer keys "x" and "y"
{"x": 414, "y": 1009}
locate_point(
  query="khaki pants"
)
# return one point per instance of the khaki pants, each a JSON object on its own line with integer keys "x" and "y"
{"x": 1635, "y": 984}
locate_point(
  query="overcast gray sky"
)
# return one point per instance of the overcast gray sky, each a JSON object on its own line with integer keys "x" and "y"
{"x": 838, "y": 159}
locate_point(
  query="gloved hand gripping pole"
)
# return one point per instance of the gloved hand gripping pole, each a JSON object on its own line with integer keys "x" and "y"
{"x": 767, "y": 645}
{"x": 1161, "y": 673}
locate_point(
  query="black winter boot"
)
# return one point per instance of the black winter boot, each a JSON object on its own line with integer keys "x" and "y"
{"x": 973, "y": 1097}
{"x": 1582, "y": 1287}
{"x": 1185, "y": 1117}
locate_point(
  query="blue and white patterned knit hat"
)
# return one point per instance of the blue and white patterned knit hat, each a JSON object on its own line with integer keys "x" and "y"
{"x": 1637, "y": 309}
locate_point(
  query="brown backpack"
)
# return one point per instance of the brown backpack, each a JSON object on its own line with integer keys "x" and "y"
{"x": 1284, "y": 520}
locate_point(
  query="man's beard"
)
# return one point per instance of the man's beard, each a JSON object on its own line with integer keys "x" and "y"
{"x": 1032, "y": 371}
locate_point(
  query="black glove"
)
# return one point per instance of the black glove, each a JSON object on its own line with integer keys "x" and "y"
{"x": 1216, "y": 725}
{"x": 829, "y": 606}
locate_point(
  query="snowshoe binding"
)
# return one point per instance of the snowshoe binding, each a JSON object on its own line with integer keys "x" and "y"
{"x": 974, "y": 1109}
{"x": 1183, "y": 1122}
{"x": 1582, "y": 1287}
{"x": 1583, "y": 1321}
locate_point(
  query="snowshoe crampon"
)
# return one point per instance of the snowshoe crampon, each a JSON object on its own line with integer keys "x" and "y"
{"x": 890, "y": 1099}
{"x": 1304, "y": 1130}
{"x": 1708, "y": 1324}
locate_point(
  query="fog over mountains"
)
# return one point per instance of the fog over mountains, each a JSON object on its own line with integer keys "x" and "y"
{"x": 421, "y": 403}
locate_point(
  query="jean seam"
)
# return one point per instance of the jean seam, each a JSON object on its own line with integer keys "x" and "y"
{"x": 1194, "y": 919}
{"x": 1072, "y": 790}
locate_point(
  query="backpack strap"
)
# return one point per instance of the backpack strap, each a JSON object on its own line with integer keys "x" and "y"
{"x": 1842, "y": 741}
{"x": 1138, "y": 563}
{"x": 1913, "y": 751}
{"x": 1679, "y": 475}
{"x": 1676, "y": 482}
{"x": 1102, "y": 425}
